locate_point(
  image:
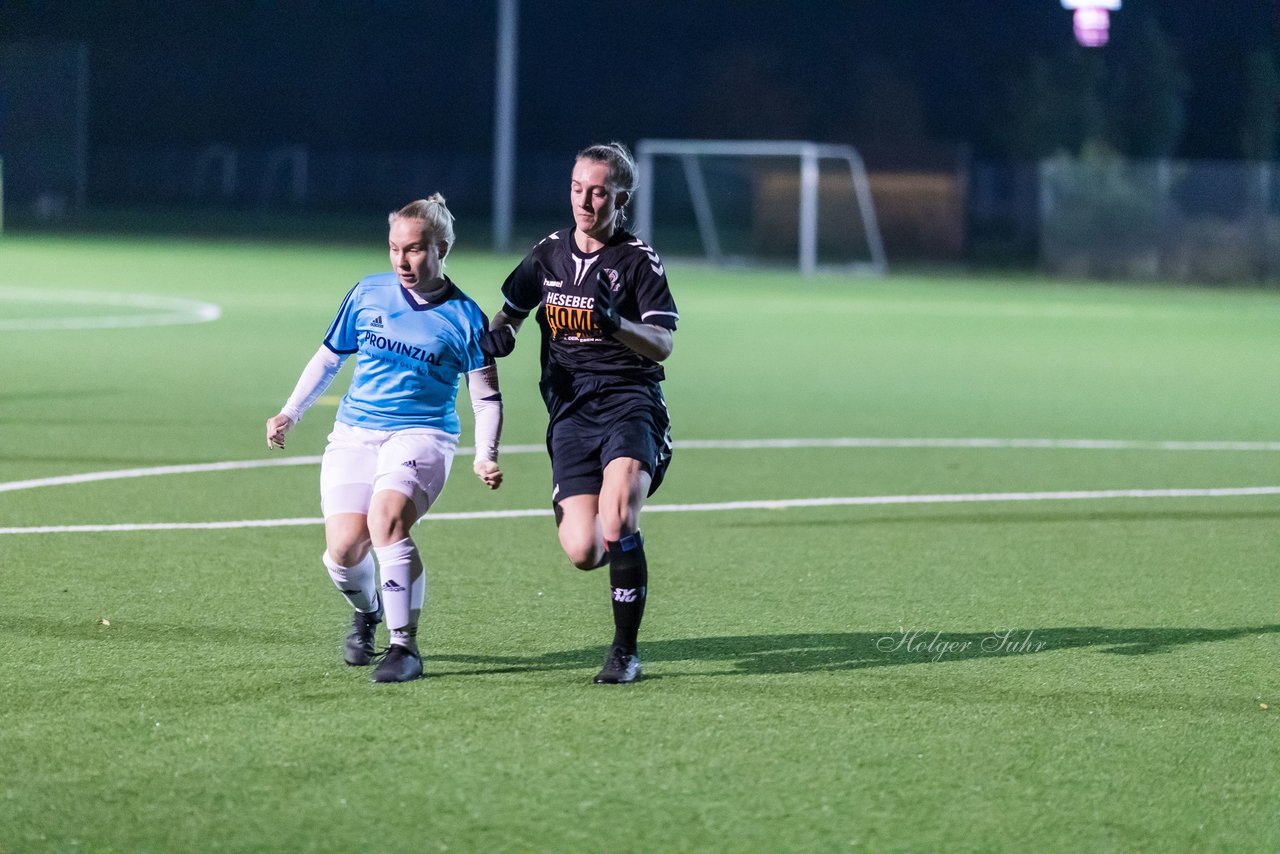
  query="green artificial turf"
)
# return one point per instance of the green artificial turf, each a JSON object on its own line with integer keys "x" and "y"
{"x": 1074, "y": 675}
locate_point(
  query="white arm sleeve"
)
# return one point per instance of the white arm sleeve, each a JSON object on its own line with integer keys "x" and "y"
{"x": 486, "y": 403}
{"x": 316, "y": 377}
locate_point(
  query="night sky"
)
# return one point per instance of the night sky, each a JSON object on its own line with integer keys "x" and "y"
{"x": 899, "y": 79}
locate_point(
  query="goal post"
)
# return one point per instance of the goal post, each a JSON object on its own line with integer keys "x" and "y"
{"x": 786, "y": 191}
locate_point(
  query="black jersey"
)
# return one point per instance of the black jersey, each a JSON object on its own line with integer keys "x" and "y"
{"x": 559, "y": 281}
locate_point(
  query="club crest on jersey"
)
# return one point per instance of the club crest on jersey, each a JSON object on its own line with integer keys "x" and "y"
{"x": 615, "y": 281}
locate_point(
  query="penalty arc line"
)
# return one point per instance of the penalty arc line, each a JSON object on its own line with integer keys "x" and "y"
{"x": 778, "y": 504}
{"x": 696, "y": 444}
{"x": 164, "y": 311}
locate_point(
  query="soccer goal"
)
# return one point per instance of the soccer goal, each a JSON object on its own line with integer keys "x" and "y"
{"x": 757, "y": 202}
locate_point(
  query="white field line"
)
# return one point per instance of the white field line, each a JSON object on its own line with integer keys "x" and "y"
{"x": 196, "y": 468}
{"x": 779, "y": 504}
{"x": 164, "y": 311}
{"x": 693, "y": 444}
{"x": 1059, "y": 444}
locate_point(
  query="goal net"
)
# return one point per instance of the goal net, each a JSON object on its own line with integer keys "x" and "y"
{"x": 758, "y": 203}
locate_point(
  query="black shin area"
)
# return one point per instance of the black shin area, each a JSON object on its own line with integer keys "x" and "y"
{"x": 628, "y": 587}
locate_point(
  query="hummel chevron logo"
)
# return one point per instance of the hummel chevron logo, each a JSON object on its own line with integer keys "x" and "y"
{"x": 655, "y": 263}
{"x": 625, "y": 594}
{"x": 376, "y": 322}
{"x": 392, "y": 586}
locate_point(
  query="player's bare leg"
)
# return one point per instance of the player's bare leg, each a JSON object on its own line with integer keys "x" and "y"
{"x": 346, "y": 537}
{"x": 622, "y": 496}
{"x": 581, "y": 537}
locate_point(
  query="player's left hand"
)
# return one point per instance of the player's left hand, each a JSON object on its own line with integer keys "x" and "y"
{"x": 604, "y": 309}
{"x": 489, "y": 473}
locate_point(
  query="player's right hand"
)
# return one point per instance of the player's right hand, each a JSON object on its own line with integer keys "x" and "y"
{"x": 277, "y": 426}
{"x": 498, "y": 342}
{"x": 604, "y": 309}
{"x": 488, "y": 472}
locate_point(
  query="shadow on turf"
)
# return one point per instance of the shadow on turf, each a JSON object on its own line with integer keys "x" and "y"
{"x": 801, "y": 653}
{"x": 744, "y": 654}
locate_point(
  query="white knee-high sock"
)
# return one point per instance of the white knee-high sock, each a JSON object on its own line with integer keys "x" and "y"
{"x": 404, "y": 589}
{"x": 358, "y": 583}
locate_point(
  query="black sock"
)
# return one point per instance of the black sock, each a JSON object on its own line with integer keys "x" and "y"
{"x": 628, "y": 588}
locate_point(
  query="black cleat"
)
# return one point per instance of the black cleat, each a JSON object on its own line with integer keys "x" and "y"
{"x": 359, "y": 648}
{"x": 620, "y": 667}
{"x": 398, "y": 664}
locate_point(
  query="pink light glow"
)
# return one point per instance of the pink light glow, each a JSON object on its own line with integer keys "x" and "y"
{"x": 1092, "y": 26}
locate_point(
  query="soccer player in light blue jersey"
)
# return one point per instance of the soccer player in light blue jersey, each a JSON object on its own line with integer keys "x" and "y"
{"x": 413, "y": 335}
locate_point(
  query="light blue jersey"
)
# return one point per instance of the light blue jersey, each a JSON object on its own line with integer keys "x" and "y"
{"x": 408, "y": 356}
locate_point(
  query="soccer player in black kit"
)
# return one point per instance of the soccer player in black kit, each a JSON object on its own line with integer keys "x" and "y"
{"x": 607, "y": 318}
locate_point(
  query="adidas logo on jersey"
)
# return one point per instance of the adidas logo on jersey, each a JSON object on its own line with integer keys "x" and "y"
{"x": 376, "y": 323}
{"x": 410, "y": 464}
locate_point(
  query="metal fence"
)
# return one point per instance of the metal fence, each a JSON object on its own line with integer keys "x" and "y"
{"x": 1201, "y": 221}
{"x": 1100, "y": 218}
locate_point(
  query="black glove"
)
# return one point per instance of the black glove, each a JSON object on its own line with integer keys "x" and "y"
{"x": 498, "y": 342}
{"x": 605, "y": 310}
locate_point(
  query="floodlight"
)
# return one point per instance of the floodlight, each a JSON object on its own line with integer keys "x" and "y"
{"x": 1092, "y": 20}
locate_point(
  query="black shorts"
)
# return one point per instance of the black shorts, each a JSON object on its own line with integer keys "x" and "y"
{"x": 622, "y": 423}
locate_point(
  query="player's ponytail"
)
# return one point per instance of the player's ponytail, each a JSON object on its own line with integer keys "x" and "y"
{"x": 435, "y": 217}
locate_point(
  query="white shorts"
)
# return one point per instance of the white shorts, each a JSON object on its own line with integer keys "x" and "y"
{"x": 358, "y": 462}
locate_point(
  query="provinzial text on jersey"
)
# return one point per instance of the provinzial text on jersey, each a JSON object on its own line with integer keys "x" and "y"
{"x": 391, "y": 345}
